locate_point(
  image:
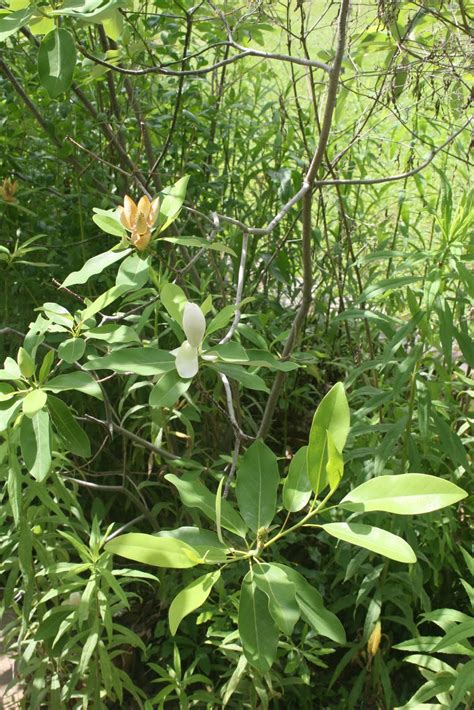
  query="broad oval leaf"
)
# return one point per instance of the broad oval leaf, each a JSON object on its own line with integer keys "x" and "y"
{"x": 281, "y": 594}
{"x": 109, "y": 222}
{"x": 374, "y": 539}
{"x": 152, "y": 550}
{"x": 11, "y": 23}
{"x": 257, "y": 630}
{"x": 169, "y": 388}
{"x": 174, "y": 300}
{"x": 80, "y": 381}
{"x": 194, "y": 494}
{"x": 94, "y": 266}
{"x": 296, "y": 486}
{"x": 191, "y": 598}
{"x": 257, "y": 484}
{"x": 56, "y": 61}
{"x": 331, "y": 416}
{"x": 405, "y": 494}
{"x": 34, "y": 401}
{"x": 172, "y": 202}
{"x": 71, "y": 350}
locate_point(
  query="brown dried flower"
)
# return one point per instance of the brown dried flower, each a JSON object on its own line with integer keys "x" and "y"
{"x": 139, "y": 219}
{"x": 8, "y": 190}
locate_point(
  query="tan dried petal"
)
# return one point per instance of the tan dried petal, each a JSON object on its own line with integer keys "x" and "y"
{"x": 122, "y": 217}
{"x": 141, "y": 240}
{"x": 130, "y": 212}
{"x": 154, "y": 212}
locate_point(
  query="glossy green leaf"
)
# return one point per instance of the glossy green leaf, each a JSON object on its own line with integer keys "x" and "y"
{"x": 239, "y": 373}
{"x": 205, "y": 542}
{"x": 312, "y": 608}
{"x": 35, "y": 444}
{"x": 73, "y": 435}
{"x": 332, "y": 415}
{"x": 152, "y": 550}
{"x": 174, "y": 300}
{"x": 201, "y": 243}
{"x": 296, "y": 486}
{"x": 257, "y": 484}
{"x": 71, "y": 350}
{"x": 463, "y": 684}
{"x": 281, "y": 594}
{"x": 168, "y": 390}
{"x": 194, "y": 494}
{"x": 56, "y": 61}
{"x": 373, "y": 539}
{"x": 257, "y": 629}
{"x": 172, "y": 202}
{"x": 80, "y": 381}
{"x": 34, "y": 401}
{"x": 140, "y": 361}
{"x": 191, "y": 598}
{"x": 335, "y": 462}
{"x": 405, "y": 494}
{"x": 94, "y": 266}
{"x": 113, "y": 333}
{"x": 8, "y": 410}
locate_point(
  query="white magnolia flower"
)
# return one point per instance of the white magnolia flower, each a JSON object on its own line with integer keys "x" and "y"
{"x": 194, "y": 326}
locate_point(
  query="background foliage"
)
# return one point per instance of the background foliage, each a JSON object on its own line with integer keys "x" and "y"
{"x": 388, "y": 313}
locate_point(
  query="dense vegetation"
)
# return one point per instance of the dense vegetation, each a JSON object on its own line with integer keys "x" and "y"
{"x": 188, "y": 380}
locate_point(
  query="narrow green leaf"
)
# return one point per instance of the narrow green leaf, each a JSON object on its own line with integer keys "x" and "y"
{"x": 194, "y": 494}
{"x": 152, "y": 550}
{"x": 331, "y": 415}
{"x": 463, "y": 684}
{"x": 56, "y": 61}
{"x": 257, "y": 630}
{"x": 219, "y": 509}
{"x": 205, "y": 542}
{"x": 191, "y": 598}
{"x": 169, "y": 388}
{"x": 257, "y": 484}
{"x": 296, "y": 486}
{"x": 69, "y": 430}
{"x": 9, "y": 24}
{"x": 281, "y": 594}
{"x": 312, "y": 608}
{"x": 35, "y": 444}
{"x": 80, "y": 381}
{"x": 94, "y": 266}
{"x": 405, "y": 494}
{"x": 172, "y": 202}
{"x": 372, "y": 538}
{"x": 141, "y": 361}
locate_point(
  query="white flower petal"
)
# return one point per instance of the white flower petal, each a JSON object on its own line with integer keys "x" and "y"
{"x": 187, "y": 360}
{"x": 194, "y": 324}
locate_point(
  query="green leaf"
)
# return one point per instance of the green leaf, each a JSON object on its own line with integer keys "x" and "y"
{"x": 94, "y": 266}
{"x": 8, "y": 410}
{"x": 237, "y": 372}
{"x": 172, "y": 201}
{"x": 312, "y": 608}
{"x": 205, "y": 542}
{"x": 109, "y": 222}
{"x": 257, "y": 485}
{"x": 332, "y": 415}
{"x": 9, "y": 24}
{"x": 463, "y": 684}
{"x": 35, "y": 444}
{"x": 296, "y": 486}
{"x": 335, "y": 464}
{"x": 191, "y": 598}
{"x": 80, "y": 381}
{"x": 69, "y": 430}
{"x": 71, "y": 350}
{"x": 169, "y": 388}
{"x": 201, "y": 243}
{"x": 456, "y": 634}
{"x": 34, "y": 401}
{"x": 174, "y": 300}
{"x": 56, "y": 61}
{"x": 257, "y": 630}
{"x": 194, "y": 494}
{"x": 405, "y": 494}
{"x": 281, "y": 593}
{"x": 25, "y": 363}
{"x": 114, "y": 334}
{"x": 141, "y": 361}
{"x": 152, "y": 550}
{"x": 374, "y": 539}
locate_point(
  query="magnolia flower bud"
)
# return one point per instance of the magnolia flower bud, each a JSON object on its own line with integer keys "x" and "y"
{"x": 74, "y": 599}
{"x": 194, "y": 324}
{"x": 187, "y": 360}
{"x": 374, "y": 640}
